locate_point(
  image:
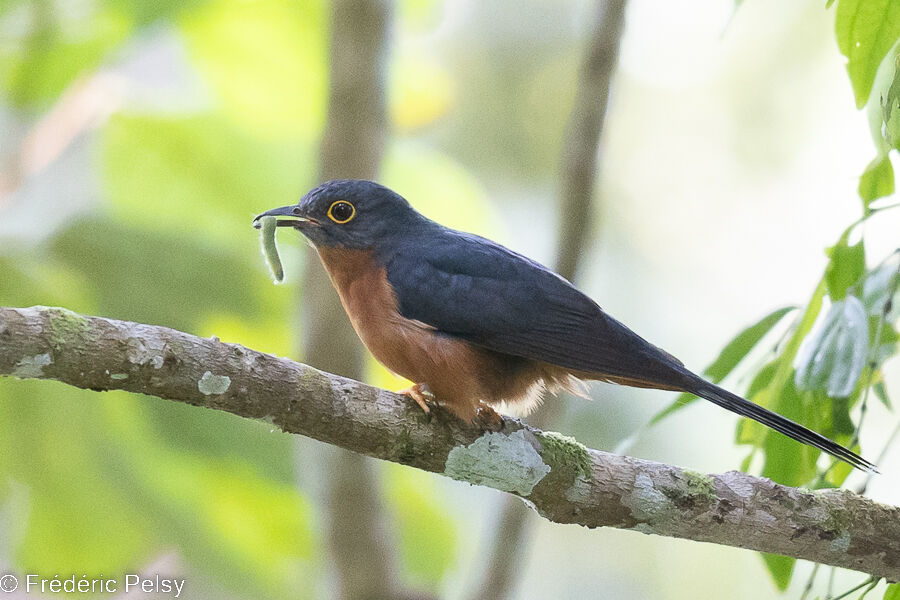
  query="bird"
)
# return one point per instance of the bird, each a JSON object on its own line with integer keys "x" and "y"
{"x": 476, "y": 326}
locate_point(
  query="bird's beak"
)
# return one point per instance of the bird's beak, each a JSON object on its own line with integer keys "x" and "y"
{"x": 285, "y": 217}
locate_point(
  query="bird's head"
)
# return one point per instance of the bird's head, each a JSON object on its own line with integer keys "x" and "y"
{"x": 348, "y": 213}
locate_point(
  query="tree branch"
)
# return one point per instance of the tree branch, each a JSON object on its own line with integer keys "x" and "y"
{"x": 564, "y": 481}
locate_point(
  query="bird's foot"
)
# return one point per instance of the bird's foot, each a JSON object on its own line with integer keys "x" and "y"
{"x": 487, "y": 419}
{"x": 421, "y": 395}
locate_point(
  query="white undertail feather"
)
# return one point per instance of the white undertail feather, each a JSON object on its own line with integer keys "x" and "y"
{"x": 532, "y": 399}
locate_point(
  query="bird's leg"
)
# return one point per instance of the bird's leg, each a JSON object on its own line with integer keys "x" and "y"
{"x": 421, "y": 394}
{"x": 487, "y": 418}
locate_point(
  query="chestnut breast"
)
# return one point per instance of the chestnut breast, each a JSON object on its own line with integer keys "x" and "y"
{"x": 406, "y": 347}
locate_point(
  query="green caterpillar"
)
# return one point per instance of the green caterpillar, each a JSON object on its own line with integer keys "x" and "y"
{"x": 268, "y": 225}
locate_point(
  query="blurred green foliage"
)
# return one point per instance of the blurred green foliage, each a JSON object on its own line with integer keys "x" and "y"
{"x": 112, "y": 483}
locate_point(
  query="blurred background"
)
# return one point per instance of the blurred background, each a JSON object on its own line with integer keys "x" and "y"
{"x": 138, "y": 138}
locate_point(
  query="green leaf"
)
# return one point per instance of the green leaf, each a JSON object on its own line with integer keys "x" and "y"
{"x": 743, "y": 343}
{"x": 877, "y": 180}
{"x": 787, "y": 461}
{"x": 851, "y": 349}
{"x": 881, "y": 393}
{"x": 748, "y": 460}
{"x": 887, "y": 340}
{"x": 890, "y": 102}
{"x": 846, "y": 267}
{"x": 881, "y": 282}
{"x": 749, "y": 431}
{"x": 866, "y": 30}
{"x": 841, "y": 423}
{"x": 784, "y": 365}
{"x": 729, "y": 358}
{"x": 892, "y": 592}
{"x": 841, "y": 470}
{"x": 780, "y": 567}
{"x": 769, "y": 382}
{"x": 833, "y": 357}
{"x": 680, "y": 402}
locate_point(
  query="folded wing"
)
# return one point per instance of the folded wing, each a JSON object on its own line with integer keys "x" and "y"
{"x": 469, "y": 287}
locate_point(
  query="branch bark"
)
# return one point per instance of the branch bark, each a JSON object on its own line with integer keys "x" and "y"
{"x": 564, "y": 481}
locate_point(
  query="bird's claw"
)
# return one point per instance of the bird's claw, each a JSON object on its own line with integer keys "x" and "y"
{"x": 421, "y": 395}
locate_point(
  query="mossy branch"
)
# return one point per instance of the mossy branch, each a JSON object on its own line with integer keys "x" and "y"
{"x": 564, "y": 481}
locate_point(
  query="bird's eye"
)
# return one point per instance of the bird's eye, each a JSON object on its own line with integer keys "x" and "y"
{"x": 341, "y": 212}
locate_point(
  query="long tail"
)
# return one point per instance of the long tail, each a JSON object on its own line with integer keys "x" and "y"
{"x": 745, "y": 408}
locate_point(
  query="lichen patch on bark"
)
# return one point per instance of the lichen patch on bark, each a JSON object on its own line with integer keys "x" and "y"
{"x": 841, "y": 543}
{"x": 645, "y": 501}
{"x": 506, "y": 462}
{"x": 213, "y": 385}
{"x": 140, "y": 352}
{"x": 32, "y": 366}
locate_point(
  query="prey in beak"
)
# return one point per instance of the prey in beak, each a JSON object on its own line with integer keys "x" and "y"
{"x": 285, "y": 216}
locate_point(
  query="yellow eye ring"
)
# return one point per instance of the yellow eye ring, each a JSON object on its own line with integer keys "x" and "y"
{"x": 337, "y": 212}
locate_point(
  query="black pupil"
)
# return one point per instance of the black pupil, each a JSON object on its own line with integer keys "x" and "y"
{"x": 342, "y": 211}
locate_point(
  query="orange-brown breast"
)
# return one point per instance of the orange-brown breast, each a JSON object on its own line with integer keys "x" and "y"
{"x": 372, "y": 306}
{"x": 459, "y": 373}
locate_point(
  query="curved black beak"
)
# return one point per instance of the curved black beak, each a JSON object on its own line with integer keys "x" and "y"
{"x": 286, "y": 216}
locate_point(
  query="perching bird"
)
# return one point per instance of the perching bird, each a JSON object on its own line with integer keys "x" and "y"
{"x": 474, "y": 324}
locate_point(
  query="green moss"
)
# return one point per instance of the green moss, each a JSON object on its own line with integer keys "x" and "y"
{"x": 697, "y": 489}
{"x": 836, "y": 527}
{"x": 700, "y": 484}
{"x": 564, "y": 452}
{"x": 64, "y": 326}
{"x": 838, "y": 518}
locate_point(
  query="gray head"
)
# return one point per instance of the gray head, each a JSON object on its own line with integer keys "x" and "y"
{"x": 350, "y": 213}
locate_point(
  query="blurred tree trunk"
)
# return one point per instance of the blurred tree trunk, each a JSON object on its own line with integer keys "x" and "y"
{"x": 360, "y": 547}
{"x": 578, "y": 171}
